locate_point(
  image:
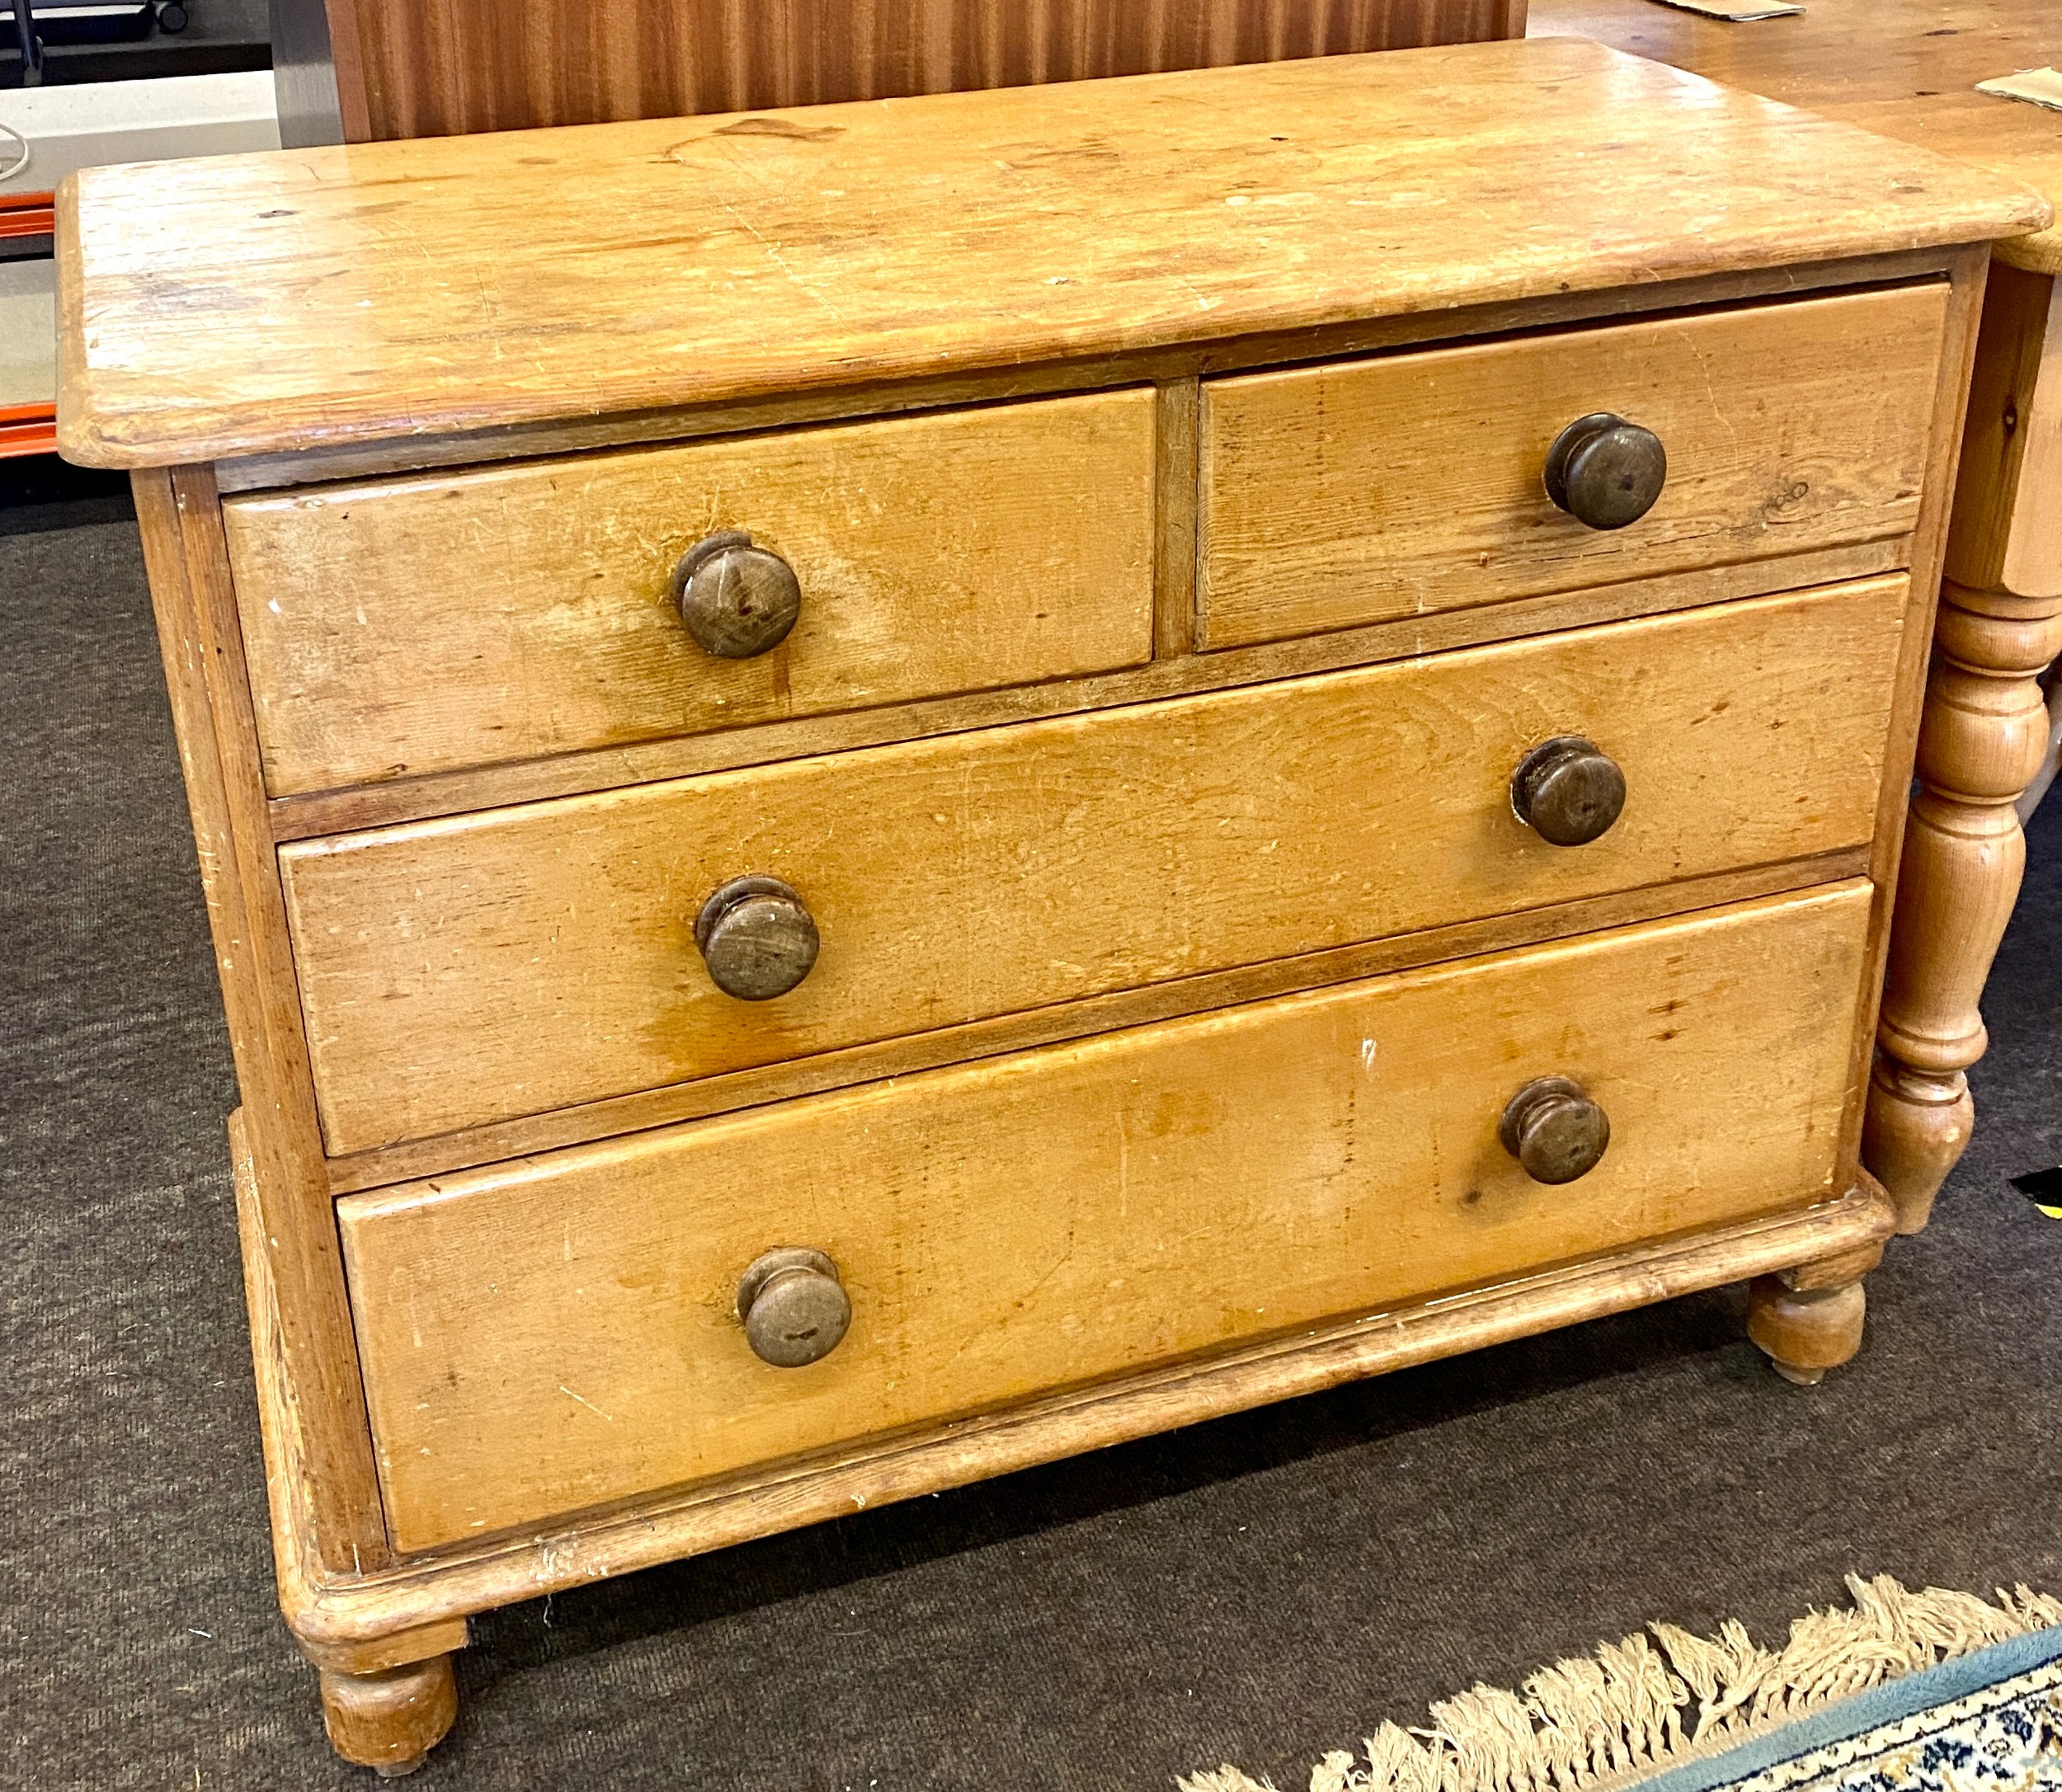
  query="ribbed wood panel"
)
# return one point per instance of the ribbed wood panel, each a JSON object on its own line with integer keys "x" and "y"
{"x": 437, "y": 68}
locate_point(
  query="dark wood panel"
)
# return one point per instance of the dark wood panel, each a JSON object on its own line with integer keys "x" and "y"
{"x": 436, "y": 67}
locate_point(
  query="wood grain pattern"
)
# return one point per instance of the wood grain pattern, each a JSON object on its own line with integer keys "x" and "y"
{"x": 390, "y": 1720}
{"x": 463, "y": 971}
{"x": 1180, "y": 673}
{"x": 243, "y": 304}
{"x": 1907, "y": 68}
{"x": 430, "y": 624}
{"x": 178, "y": 520}
{"x": 435, "y": 68}
{"x": 1805, "y": 1333}
{"x": 433, "y": 1589}
{"x": 474, "y": 1146}
{"x": 1175, "y": 505}
{"x": 320, "y": 464}
{"x": 2033, "y": 551}
{"x": 306, "y": 1585}
{"x": 1848, "y": 1266}
{"x": 1358, "y": 492}
{"x": 2007, "y": 533}
{"x": 1032, "y": 1223}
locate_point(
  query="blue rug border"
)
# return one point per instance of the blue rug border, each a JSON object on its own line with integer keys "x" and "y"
{"x": 1887, "y": 1704}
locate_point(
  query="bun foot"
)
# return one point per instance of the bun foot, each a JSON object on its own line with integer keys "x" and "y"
{"x": 390, "y": 1721}
{"x": 1797, "y": 1378}
{"x": 1804, "y": 1332}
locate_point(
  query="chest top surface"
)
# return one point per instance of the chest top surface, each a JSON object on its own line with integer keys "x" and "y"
{"x": 1906, "y": 68}
{"x": 258, "y": 303}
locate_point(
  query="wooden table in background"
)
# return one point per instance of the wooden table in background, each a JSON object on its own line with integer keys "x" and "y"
{"x": 1908, "y": 69}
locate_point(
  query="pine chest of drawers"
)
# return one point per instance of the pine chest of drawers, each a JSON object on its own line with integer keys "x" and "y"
{"x": 892, "y": 790}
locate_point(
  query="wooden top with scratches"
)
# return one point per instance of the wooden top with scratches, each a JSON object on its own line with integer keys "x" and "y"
{"x": 1905, "y": 68}
{"x": 254, "y": 303}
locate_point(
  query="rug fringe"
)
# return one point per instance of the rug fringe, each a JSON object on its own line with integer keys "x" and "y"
{"x": 1633, "y": 1708}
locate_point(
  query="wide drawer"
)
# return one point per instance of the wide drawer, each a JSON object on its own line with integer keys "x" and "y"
{"x": 549, "y": 1335}
{"x": 467, "y": 969}
{"x": 1370, "y": 489}
{"x": 427, "y": 624}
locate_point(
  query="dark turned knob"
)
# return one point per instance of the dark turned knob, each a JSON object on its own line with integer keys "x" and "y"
{"x": 794, "y": 1308}
{"x": 1568, "y": 791}
{"x": 1554, "y": 1130}
{"x": 736, "y": 600}
{"x": 756, "y": 938}
{"x": 1605, "y": 471}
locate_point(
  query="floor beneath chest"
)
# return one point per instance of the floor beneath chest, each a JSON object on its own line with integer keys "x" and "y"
{"x": 1254, "y": 1590}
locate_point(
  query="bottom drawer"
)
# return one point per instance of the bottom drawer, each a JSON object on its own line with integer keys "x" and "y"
{"x": 545, "y": 1336}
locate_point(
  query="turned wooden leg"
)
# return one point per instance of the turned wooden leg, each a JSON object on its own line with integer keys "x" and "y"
{"x": 1983, "y": 739}
{"x": 390, "y": 1720}
{"x": 1809, "y": 1319}
{"x": 2052, "y": 689}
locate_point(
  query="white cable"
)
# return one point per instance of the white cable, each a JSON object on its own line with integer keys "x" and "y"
{"x": 22, "y": 160}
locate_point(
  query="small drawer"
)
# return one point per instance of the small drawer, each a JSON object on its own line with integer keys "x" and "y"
{"x": 467, "y": 969}
{"x": 1372, "y": 490}
{"x": 430, "y": 624}
{"x": 546, "y": 1336}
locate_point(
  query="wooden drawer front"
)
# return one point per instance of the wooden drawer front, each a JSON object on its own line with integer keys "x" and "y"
{"x": 1377, "y": 489}
{"x": 545, "y": 1336}
{"x": 424, "y": 625}
{"x": 467, "y": 969}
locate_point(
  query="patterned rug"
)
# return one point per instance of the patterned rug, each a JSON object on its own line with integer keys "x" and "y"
{"x": 1928, "y": 1691}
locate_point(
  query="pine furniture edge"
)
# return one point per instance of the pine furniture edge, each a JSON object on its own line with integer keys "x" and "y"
{"x": 1912, "y": 79}
{"x": 455, "y": 449}
{"x": 2011, "y": 447}
{"x": 201, "y": 649}
{"x": 303, "y": 1581}
{"x": 102, "y": 420}
{"x": 2040, "y": 252}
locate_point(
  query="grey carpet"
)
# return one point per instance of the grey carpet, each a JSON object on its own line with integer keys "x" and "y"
{"x": 1254, "y": 1590}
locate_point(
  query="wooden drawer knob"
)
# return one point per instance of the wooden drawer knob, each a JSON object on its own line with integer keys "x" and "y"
{"x": 738, "y": 600}
{"x": 794, "y": 1308}
{"x": 757, "y": 938}
{"x": 1554, "y": 1130}
{"x": 1605, "y": 471}
{"x": 1568, "y": 791}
